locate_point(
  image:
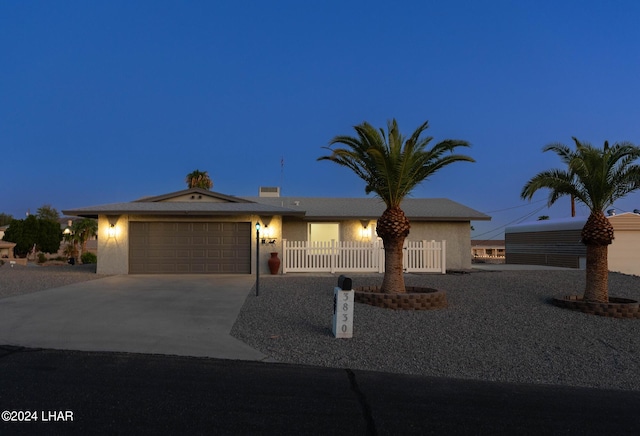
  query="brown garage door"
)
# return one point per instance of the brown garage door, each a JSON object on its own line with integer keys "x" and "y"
{"x": 189, "y": 248}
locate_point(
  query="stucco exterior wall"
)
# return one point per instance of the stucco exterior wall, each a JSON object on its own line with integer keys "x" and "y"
{"x": 113, "y": 252}
{"x": 456, "y": 234}
{"x": 294, "y": 230}
{"x": 623, "y": 253}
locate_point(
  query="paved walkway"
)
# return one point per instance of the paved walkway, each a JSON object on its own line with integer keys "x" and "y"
{"x": 156, "y": 314}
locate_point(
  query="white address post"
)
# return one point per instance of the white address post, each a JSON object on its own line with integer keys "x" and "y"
{"x": 343, "y": 302}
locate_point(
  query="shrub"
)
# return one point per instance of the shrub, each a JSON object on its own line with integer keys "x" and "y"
{"x": 89, "y": 258}
{"x": 42, "y": 258}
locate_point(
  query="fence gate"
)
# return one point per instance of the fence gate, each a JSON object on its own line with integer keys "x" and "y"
{"x": 424, "y": 256}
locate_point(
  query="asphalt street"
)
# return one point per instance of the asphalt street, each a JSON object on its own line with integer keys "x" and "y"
{"x": 77, "y": 392}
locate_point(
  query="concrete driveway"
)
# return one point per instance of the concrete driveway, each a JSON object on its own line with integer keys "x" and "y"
{"x": 188, "y": 315}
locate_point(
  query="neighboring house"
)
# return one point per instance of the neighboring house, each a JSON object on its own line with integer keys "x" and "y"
{"x": 6, "y": 248}
{"x": 66, "y": 224}
{"x": 200, "y": 231}
{"x": 487, "y": 249}
{"x": 557, "y": 243}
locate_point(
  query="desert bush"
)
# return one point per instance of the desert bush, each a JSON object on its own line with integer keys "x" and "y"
{"x": 42, "y": 258}
{"x": 89, "y": 258}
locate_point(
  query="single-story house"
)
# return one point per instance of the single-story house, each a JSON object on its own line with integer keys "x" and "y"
{"x": 6, "y": 248}
{"x": 200, "y": 231}
{"x": 487, "y": 248}
{"x": 557, "y": 243}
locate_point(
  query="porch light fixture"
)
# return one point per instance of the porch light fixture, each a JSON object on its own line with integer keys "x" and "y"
{"x": 365, "y": 232}
{"x": 112, "y": 230}
{"x": 267, "y": 235}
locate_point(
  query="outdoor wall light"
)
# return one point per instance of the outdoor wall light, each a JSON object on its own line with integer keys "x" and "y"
{"x": 112, "y": 230}
{"x": 365, "y": 232}
{"x": 267, "y": 235}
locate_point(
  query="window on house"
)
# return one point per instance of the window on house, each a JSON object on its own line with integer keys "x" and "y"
{"x": 324, "y": 232}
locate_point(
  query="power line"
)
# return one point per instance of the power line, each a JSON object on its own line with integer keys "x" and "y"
{"x": 515, "y": 207}
{"x": 517, "y": 220}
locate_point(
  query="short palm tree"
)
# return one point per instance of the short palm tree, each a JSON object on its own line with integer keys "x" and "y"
{"x": 391, "y": 166}
{"x": 597, "y": 177}
{"x": 83, "y": 230}
{"x": 199, "y": 179}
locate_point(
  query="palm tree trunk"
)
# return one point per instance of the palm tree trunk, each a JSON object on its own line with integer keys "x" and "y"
{"x": 597, "y": 288}
{"x": 393, "y": 281}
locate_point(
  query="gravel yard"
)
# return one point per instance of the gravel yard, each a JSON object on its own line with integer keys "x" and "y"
{"x": 499, "y": 326}
{"x": 32, "y": 278}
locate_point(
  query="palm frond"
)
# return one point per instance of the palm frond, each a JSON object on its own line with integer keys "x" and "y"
{"x": 390, "y": 164}
{"x": 595, "y": 176}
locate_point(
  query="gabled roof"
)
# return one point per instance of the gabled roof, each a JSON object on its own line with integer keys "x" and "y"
{"x": 194, "y": 192}
{"x": 416, "y": 209}
{"x": 200, "y": 202}
{"x": 196, "y": 202}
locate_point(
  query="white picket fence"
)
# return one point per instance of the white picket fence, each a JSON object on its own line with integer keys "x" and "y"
{"x": 353, "y": 256}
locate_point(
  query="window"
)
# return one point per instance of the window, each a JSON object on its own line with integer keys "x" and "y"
{"x": 324, "y": 232}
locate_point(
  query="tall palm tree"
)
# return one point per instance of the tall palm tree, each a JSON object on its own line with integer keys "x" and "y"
{"x": 391, "y": 166}
{"x": 199, "y": 179}
{"x": 597, "y": 177}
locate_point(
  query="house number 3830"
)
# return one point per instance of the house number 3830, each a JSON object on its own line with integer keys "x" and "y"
{"x": 343, "y": 316}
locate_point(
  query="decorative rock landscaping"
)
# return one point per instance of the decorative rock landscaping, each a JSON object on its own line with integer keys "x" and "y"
{"x": 416, "y": 298}
{"x": 615, "y": 308}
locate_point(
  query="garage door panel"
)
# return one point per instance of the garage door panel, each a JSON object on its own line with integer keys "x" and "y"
{"x": 199, "y": 240}
{"x": 161, "y": 254}
{"x": 189, "y": 247}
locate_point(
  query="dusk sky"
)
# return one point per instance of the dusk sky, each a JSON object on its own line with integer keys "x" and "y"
{"x": 110, "y": 101}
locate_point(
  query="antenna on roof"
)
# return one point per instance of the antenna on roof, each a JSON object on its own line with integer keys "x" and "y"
{"x": 281, "y": 173}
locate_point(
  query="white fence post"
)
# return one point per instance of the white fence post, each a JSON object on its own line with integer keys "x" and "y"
{"x": 285, "y": 262}
{"x": 443, "y": 254}
{"x": 333, "y": 256}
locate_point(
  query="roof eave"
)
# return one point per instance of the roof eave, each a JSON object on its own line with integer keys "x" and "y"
{"x": 95, "y": 214}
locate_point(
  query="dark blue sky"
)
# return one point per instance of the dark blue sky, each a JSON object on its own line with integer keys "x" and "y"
{"x": 105, "y": 102}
